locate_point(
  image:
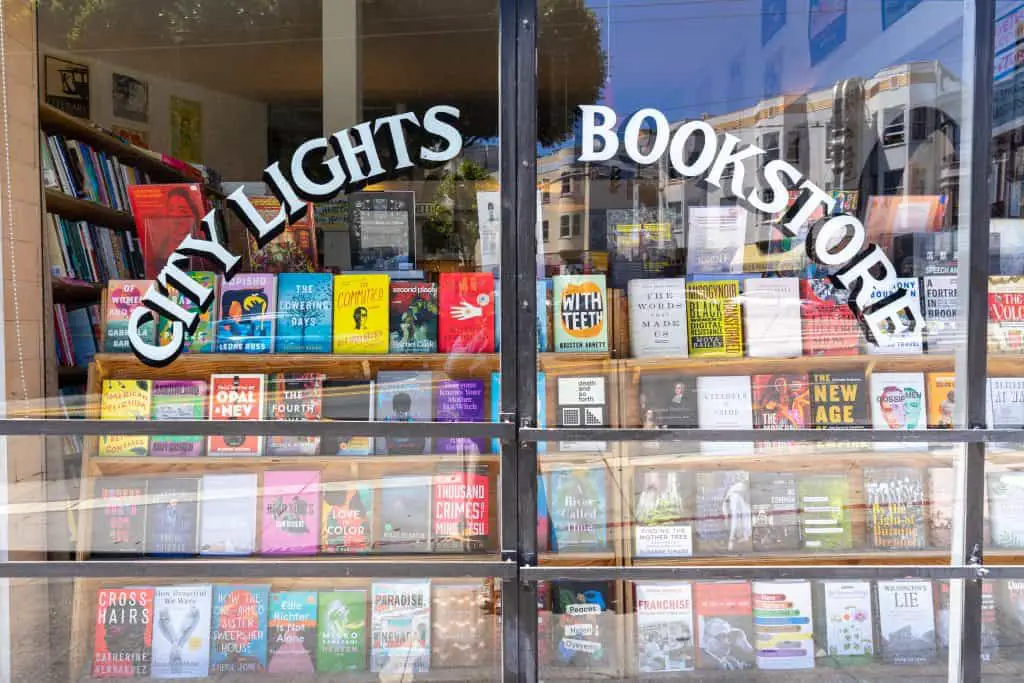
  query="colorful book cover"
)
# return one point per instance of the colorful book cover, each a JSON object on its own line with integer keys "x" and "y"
{"x": 543, "y": 517}
{"x": 178, "y": 400}
{"x": 346, "y": 518}
{"x": 843, "y": 623}
{"x": 236, "y": 397}
{"x": 123, "y": 643}
{"x": 305, "y": 312}
{"x": 824, "y": 512}
{"x": 202, "y": 340}
{"x": 663, "y": 525}
{"x": 578, "y": 510}
{"x": 414, "y": 313}
{"x": 293, "y": 251}
{"x": 461, "y": 504}
{"x": 1006, "y": 509}
{"x": 400, "y": 631}
{"x": 906, "y": 622}
{"x": 657, "y": 318}
{"x": 119, "y": 525}
{"x": 829, "y": 326}
{"x": 783, "y": 625}
{"x": 940, "y": 304}
{"x": 941, "y": 399}
{"x": 725, "y": 625}
{"x": 125, "y": 399}
{"x": 781, "y": 402}
{"x": 1006, "y": 314}
{"x": 667, "y": 400}
{"x": 341, "y": 631}
{"x": 907, "y": 339}
{"x": 361, "y": 320}
{"x": 896, "y": 514}
{"x": 404, "y": 397}
{"x": 774, "y": 509}
{"x": 898, "y": 403}
{"x": 123, "y": 297}
{"x": 295, "y": 397}
{"x": 347, "y": 400}
{"x": 247, "y": 313}
{"x": 465, "y": 635}
{"x": 723, "y": 523}
{"x": 714, "y": 319}
{"x": 172, "y": 520}
{"x": 582, "y": 403}
{"x": 941, "y": 496}
{"x": 227, "y": 514}
{"x": 839, "y": 400}
{"x": 460, "y": 400}
{"x": 664, "y": 627}
{"x": 466, "y": 307}
{"x": 544, "y": 304}
{"x": 291, "y": 512}
{"x": 239, "y": 629}
{"x": 405, "y": 515}
{"x": 291, "y": 632}
{"x": 164, "y": 216}
{"x": 585, "y": 623}
{"x": 542, "y": 413}
{"x": 181, "y": 633}
{"x": 581, "y": 313}
{"x": 723, "y": 402}
{"x": 771, "y": 308}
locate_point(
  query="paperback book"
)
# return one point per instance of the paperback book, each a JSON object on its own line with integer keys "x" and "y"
{"x": 291, "y": 512}
{"x": 400, "y": 635}
{"x": 172, "y": 520}
{"x": 843, "y": 623}
{"x": 838, "y": 400}
{"x": 941, "y": 497}
{"x": 725, "y": 625}
{"x": 657, "y": 318}
{"x": 347, "y": 400}
{"x": 123, "y": 297}
{"x": 178, "y": 400}
{"x": 202, "y": 340}
{"x": 1006, "y": 509}
{"x": 234, "y": 398}
{"x": 119, "y": 524}
{"x": 294, "y": 250}
{"x": 125, "y": 399}
{"x": 896, "y": 512}
{"x": 291, "y": 632}
{"x": 941, "y": 301}
{"x": 723, "y": 523}
{"x": 404, "y": 397}
{"x": 578, "y": 510}
{"x": 239, "y": 629}
{"x": 774, "y": 510}
{"x": 585, "y": 623}
{"x": 829, "y": 326}
{"x": 781, "y": 402}
{"x": 123, "y": 642}
{"x": 1005, "y": 405}
{"x": 295, "y": 397}
{"x": 908, "y": 337}
{"x": 414, "y": 313}
{"x": 466, "y": 313}
{"x": 341, "y": 631}
{"x": 465, "y": 635}
{"x": 305, "y": 309}
{"x": 667, "y": 401}
{"x": 461, "y": 504}
{"x": 582, "y": 403}
{"x": 1005, "y": 314}
{"x": 715, "y": 239}
{"x": 906, "y": 622}
{"x": 542, "y": 413}
{"x": 771, "y": 309}
{"x": 664, "y": 627}
{"x": 181, "y": 633}
{"x": 227, "y": 514}
{"x": 346, "y": 518}
{"x": 545, "y": 304}
{"x": 405, "y": 515}
{"x": 662, "y": 521}
{"x": 940, "y": 399}
{"x": 361, "y": 321}
{"x": 247, "y": 313}
{"x": 898, "y": 403}
{"x": 581, "y": 313}
{"x": 724, "y": 403}
{"x": 824, "y": 512}
{"x": 714, "y": 319}
{"x": 783, "y": 625}
{"x": 460, "y": 400}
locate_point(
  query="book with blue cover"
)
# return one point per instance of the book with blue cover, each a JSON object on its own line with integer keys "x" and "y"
{"x": 239, "y": 629}
{"x": 578, "y": 510}
{"x": 246, "y": 317}
{"x": 305, "y": 306}
{"x": 404, "y": 397}
{"x": 541, "y": 407}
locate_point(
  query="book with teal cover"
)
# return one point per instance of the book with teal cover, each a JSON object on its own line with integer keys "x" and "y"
{"x": 202, "y": 340}
{"x": 239, "y": 641}
{"x": 246, "y": 317}
{"x": 292, "y": 632}
{"x": 305, "y": 309}
{"x": 496, "y": 407}
{"x": 341, "y": 631}
{"x": 578, "y": 510}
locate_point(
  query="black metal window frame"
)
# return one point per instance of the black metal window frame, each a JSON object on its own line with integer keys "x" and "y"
{"x": 518, "y": 567}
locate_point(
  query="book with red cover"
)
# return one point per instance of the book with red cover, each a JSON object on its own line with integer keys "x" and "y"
{"x": 236, "y": 397}
{"x": 466, "y": 307}
{"x": 781, "y": 402}
{"x": 293, "y": 251}
{"x": 461, "y": 504}
{"x": 123, "y": 647}
{"x": 165, "y": 215}
{"x": 829, "y": 326}
{"x": 725, "y": 625}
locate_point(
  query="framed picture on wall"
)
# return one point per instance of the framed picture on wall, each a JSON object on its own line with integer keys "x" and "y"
{"x": 130, "y": 97}
{"x": 66, "y": 85}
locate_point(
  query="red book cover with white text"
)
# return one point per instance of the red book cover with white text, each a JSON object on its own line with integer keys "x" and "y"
{"x": 466, "y": 306}
{"x": 829, "y": 326}
{"x": 236, "y": 397}
{"x": 165, "y": 215}
{"x": 123, "y": 646}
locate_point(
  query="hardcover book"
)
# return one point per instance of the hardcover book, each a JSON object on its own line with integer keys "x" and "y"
{"x": 781, "y": 402}
{"x": 172, "y": 520}
{"x": 341, "y": 631}
{"x": 941, "y": 399}
{"x": 1010, "y": 616}
{"x": 585, "y": 623}
{"x": 178, "y": 400}
{"x": 542, "y": 413}
{"x": 941, "y": 497}
{"x": 657, "y": 318}
{"x": 247, "y": 312}
{"x": 824, "y": 514}
{"x": 898, "y": 403}
{"x": 838, "y": 400}
{"x": 346, "y": 400}
{"x": 400, "y": 636}
{"x": 667, "y": 400}
{"x": 1005, "y": 406}
{"x": 346, "y": 518}
{"x": 405, "y": 515}
{"x": 461, "y": 509}
{"x": 361, "y": 320}
{"x": 123, "y": 643}
{"x": 291, "y": 512}
{"x": 578, "y": 510}
{"x": 466, "y": 308}
{"x": 582, "y": 403}
{"x": 1005, "y": 314}
{"x": 1006, "y": 509}
{"x": 664, "y": 626}
{"x": 545, "y": 289}
{"x": 941, "y": 301}
{"x": 771, "y": 308}
{"x": 202, "y": 340}
{"x": 581, "y": 313}
{"x": 164, "y": 216}
{"x": 414, "y": 312}
{"x": 829, "y": 326}
{"x": 907, "y": 339}
{"x": 292, "y": 251}
{"x": 906, "y": 622}
{"x": 543, "y": 517}
{"x": 663, "y": 524}
{"x": 123, "y": 297}
{"x": 465, "y": 635}
{"x": 295, "y": 397}
{"x": 783, "y": 625}
{"x": 227, "y": 514}
{"x": 125, "y": 399}
{"x": 119, "y": 525}
{"x": 305, "y": 311}
{"x": 715, "y": 239}
{"x": 724, "y": 403}
{"x": 723, "y": 523}
{"x": 896, "y": 514}
{"x": 236, "y": 397}
{"x": 943, "y": 630}
{"x": 843, "y": 623}
{"x": 725, "y": 625}
{"x": 404, "y": 397}
{"x": 239, "y": 629}
{"x": 460, "y": 400}
{"x": 181, "y": 633}
{"x": 714, "y": 319}
{"x": 775, "y": 512}
{"x": 292, "y": 632}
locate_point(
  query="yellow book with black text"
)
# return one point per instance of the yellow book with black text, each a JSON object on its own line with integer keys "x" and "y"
{"x": 125, "y": 399}
{"x": 361, "y": 308}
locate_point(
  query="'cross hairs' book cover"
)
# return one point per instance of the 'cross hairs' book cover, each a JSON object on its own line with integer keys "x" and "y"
{"x": 123, "y": 642}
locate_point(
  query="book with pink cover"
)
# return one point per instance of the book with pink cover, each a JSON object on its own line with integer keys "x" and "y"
{"x": 291, "y": 512}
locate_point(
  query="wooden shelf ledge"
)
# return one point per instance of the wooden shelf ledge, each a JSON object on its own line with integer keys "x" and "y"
{"x": 373, "y": 464}
{"x": 71, "y": 208}
{"x": 74, "y": 293}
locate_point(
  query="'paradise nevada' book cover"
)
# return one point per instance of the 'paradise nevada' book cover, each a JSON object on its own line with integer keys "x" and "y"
{"x": 400, "y": 627}
{"x": 361, "y": 322}
{"x": 291, "y": 512}
{"x": 236, "y": 397}
{"x": 125, "y": 399}
{"x": 466, "y": 307}
{"x": 247, "y": 308}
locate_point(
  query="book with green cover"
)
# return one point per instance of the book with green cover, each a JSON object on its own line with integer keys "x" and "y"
{"x": 824, "y": 513}
{"x": 341, "y": 631}
{"x": 200, "y": 341}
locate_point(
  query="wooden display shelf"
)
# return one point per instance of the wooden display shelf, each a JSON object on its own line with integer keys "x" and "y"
{"x": 606, "y": 558}
{"x": 73, "y": 293}
{"x": 74, "y": 374}
{"x": 84, "y": 210}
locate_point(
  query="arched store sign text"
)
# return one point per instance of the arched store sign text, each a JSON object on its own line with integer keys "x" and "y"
{"x": 836, "y": 242}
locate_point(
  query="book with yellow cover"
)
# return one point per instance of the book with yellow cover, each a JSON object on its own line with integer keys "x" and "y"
{"x": 125, "y": 399}
{"x": 714, "y": 320}
{"x": 361, "y": 306}
{"x": 940, "y": 400}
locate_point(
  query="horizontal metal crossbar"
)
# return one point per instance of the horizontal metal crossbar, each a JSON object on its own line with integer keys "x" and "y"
{"x": 590, "y": 573}
{"x": 937, "y": 436}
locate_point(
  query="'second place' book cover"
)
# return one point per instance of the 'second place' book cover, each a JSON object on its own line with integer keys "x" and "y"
{"x": 123, "y": 643}
{"x": 181, "y": 631}
{"x": 236, "y": 397}
{"x": 291, "y": 512}
{"x": 305, "y": 309}
{"x": 341, "y": 631}
{"x": 175, "y": 399}
{"x": 466, "y": 313}
{"x": 361, "y": 313}
{"x": 414, "y": 313}
{"x": 239, "y": 641}
{"x": 295, "y": 397}
{"x": 246, "y": 317}
{"x": 400, "y": 632}
{"x": 125, "y": 399}
{"x": 291, "y": 632}
{"x": 581, "y": 313}
{"x": 405, "y": 519}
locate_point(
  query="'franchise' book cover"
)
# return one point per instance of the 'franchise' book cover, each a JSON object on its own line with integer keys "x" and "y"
{"x": 664, "y": 626}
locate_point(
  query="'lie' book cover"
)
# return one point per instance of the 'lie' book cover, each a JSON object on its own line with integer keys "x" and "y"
{"x": 124, "y": 633}
{"x": 460, "y": 400}
{"x": 292, "y": 632}
{"x": 178, "y": 400}
{"x": 123, "y": 297}
{"x": 414, "y": 313}
{"x": 466, "y": 307}
{"x": 361, "y": 319}
{"x": 119, "y": 526}
{"x": 294, "y": 250}
{"x": 405, "y": 519}
{"x": 202, "y": 340}
{"x": 172, "y": 521}
{"x": 341, "y": 631}
{"x": 181, "y": 633}
{"x": 461, "y": 504}
{"x": 296, "y": 397}
{"x": 164, "y": 216}
{"x": 346, "y": 516}
{"x": 236, "y": 397}
{"x": 291, "y": 512}
{"x": 125, "y": 399}
{"x": 246, "y": 317}
{"x": 239, "y": 629}
{"x": 305, "y": 308}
